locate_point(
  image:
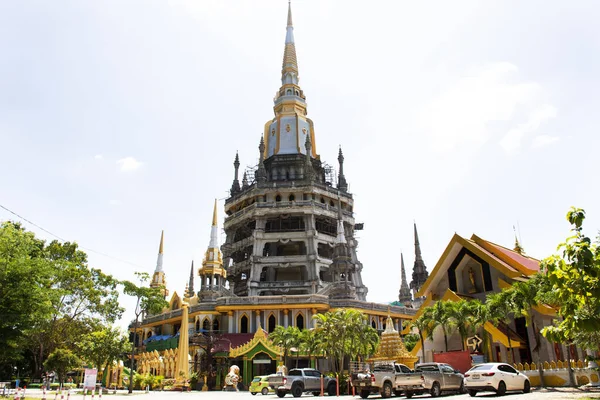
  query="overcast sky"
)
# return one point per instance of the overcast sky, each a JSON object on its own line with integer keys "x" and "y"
{"x": 122, "y": 118}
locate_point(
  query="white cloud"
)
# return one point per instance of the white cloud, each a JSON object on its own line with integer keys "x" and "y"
{"x": 114, "y": 202}
{"x": 544, "y": 140}
{"x": 98, "y": 157}
{"x": 467, "y": 113}
{"x": 511, "y": 142}
{"x": 129, "y": 164}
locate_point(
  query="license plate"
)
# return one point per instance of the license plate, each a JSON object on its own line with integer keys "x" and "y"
{"x": 475, "y": 376}
{"x": 361, "y": 384}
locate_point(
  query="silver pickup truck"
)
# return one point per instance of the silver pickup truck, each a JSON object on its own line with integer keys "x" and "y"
{"x": 302, "y": 380}
{"x": 432, "y": 378}
{"x": 388, "y": 378}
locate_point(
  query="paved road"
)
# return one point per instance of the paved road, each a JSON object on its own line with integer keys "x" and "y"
{"x": 561, "y": 393}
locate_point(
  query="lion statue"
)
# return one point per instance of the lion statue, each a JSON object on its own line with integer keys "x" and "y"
{"x": 233, "y": 377}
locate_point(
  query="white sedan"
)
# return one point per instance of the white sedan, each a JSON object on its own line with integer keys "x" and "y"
{"x": 495, "y": 377}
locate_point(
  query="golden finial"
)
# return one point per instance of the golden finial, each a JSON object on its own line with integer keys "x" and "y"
{"x": 162, "y": 237}
{"x": 214, "y": 221}
{"x": 518, "y": 248}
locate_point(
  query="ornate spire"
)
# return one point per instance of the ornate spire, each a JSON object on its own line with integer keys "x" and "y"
{"x": 189, "y": 290}
{"x": 235, "y": 187}
{"x": 404, "y": 295}
{"x": 158, "y": 278}
{"x": 159, "y": 261}
{"x": 420, "y": 274}
{"x": 342, "y": 184}
{"x": 245, "y": 181}
{"x": 261, "y": 173}
{"x": 518, "y": 248}
{"x": 289, "y": 68}
{"x": 214, "y": 229}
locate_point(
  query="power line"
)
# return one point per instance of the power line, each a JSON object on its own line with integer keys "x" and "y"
{"x": 64, "y": 240}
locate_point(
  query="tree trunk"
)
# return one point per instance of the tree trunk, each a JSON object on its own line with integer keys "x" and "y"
{"x": 445, "y": 339}
{"x": 422, "y": 346}
{"x": 571, "y": 375}
{"x": 536, "y": 334}
{"x": 130, "y": 390}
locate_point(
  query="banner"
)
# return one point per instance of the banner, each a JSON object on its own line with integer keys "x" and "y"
{"x": 89, "y": 381}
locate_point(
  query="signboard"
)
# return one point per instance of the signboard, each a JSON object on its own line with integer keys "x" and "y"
{"x": 89, "y": 382}
{"x": 261, "y": 361}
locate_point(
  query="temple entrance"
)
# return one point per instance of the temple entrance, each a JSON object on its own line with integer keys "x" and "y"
{"x": 263, "y": 365}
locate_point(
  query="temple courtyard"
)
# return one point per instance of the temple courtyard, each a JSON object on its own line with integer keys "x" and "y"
{"x": 536, "y": 394}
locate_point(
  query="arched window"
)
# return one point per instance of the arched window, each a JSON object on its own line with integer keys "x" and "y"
{"x": 300, "y": 321}
{"x": 215, "y": 325}
{"x": 271, "y": 323}
{"x": 373, "y": 325}
{"x": 197, "y": 325}
{"x": 292, "y": 197}
{"x": 244, "y": 324}
{"x": 206, "y": 325}
{"x": 278, "y": 198}
{"x": 288, "y": 92}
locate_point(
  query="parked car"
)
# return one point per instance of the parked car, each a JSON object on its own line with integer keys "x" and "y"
{"x": 260, "y": 384}
{"x": 387, "y": 378}
{"x": 302, "y": 380}
{"x": 495, "y": 377}
{"x": 441, "y": 377}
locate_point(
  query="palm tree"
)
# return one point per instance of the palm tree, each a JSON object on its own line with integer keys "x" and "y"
{"x": 461, "y": 315}
{"x": 524, "y": 297}
{"x": 440, "y": 316}
{"x": 310, "y": 343}
{"x": 500, "y": 310}
{"x": 284, "y": 338}
{"x": 424, "y": 325}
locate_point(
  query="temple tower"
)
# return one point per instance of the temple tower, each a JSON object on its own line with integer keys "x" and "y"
{"x": 420, "y": 274}
{"x": 158, "y": 278}
{"x": 212, "y": 274}
{"x": 404, "y": 296}
{"x": 282, "y": 224}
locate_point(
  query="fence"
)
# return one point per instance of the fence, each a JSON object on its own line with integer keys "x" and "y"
{"x": 556, "y": 373}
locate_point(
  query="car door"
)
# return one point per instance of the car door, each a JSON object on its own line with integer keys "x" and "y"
{"x": 510, "y": 377}
{"x": 450, "y": 381}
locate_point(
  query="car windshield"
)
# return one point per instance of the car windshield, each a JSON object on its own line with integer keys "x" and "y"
{"x": 256, "y": 380}
{"x": 482, "y": 367}
{"x": 295, "y": 372}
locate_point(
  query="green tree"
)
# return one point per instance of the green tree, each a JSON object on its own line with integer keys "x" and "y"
{"x": 103, "y": 346}
{"x": 575, "y": 279}
{"x": 440, "y": 316}
{"x": 310, "y": 343}
{"x": 424, "y": 326}
{"x": 500, "y": 309}
{"x": 62, "y": 361}
{"x": 462, "y": 317}
{"x": 286, "y": 338}
{"x": 149, "y": 300}
{"x": 410, "y": 341}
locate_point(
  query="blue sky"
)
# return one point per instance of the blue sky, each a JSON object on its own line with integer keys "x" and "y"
{"x": 122, "y": 118}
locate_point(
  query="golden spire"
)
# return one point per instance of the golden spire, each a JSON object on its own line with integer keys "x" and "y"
{"x": 518, "y": 248}
{"x": 289, "y": 22}
{"x": 162, "y": 238}
{"x": 214, "y": 221}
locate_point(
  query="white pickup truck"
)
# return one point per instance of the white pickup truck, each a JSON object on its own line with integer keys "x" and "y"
{"x": 302, "y": 380}
{"x": 388, "y": 378}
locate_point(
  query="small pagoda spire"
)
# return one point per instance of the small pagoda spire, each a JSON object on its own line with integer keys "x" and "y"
{"x": 159, "y": 261}
{"x": 261, "y": 173}
{"x": 342, "y": 184}
{"x": 518, "y": 248}
{"x": 309, "y": 171}
{"x": 341, "y": 235}
{"x": 235, "y": 187}
{"x": 214, "y": 229}
{"x": 289, "y": 68}
{"x": 245, "y": 181}
{"x": 420, "y": 274}
{"x": 404, "y": 295}
{"x": 189, "y": 290}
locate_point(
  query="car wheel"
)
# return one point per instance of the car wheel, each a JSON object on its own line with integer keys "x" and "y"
{"x": 253, "y": 393}
{"x": 280, "y": 393}
{"x": 364, "y": 394}
{"x": 461, "y": 389}
{"x": 527, "y": 387}
{"x": 472, "y": 393}
{"x": 331, "y": 391}
{"x": 409, "y": 395}
{"x": 501, "y": 389}
{"x": 436, "y": 390}
{"x": 264, "y": 391}
{"x": 386, "y": 391}
{"x": 297, "y": 390}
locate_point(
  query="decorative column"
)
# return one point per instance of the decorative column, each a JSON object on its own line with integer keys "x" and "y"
{"x": 230, "y": 321}
{"x": 285, "y": 317}
{"x": 258, "y": 325}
